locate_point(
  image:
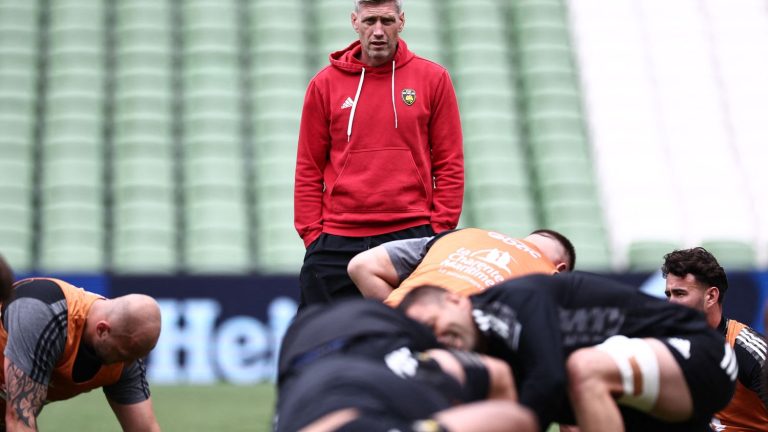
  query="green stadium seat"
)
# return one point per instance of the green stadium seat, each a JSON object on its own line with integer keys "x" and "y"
{"x": 143, "y": 38}
{"x": 538, "y": 12}
{"x": 206, "y": 39}
{"x": 210, "y": 13}
{"x": 144, "y": 253}
{"x": 478, "y": 124}
{"x": 549, "y": 145}
{"x": 494, "y": 57}
{"x": 16, "y": 235}
{"x": 144, "y": 13}
{"x": 535, "y": 60}
{"x": 14, "y": 61}
{"x": 266, "y": 57}
{"x": 72, "y": 250}
{"x": 648, "y": 255}
{"x": 278, "y": 35}
{"x": 268, "y": 12}
{"x": 475, "y": 12}
{"x": 732, "y": 254}
{"x": 572, "y": 212}
{"x": 548, "y": 36}
{"x": 155, "y": 169}
{"x": 21, "y": 15}
{"x": 217, "y": 251}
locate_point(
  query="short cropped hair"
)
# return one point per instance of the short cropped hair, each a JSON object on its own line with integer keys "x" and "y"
{"x": 421, "y": 295}
{"x": 398, "y": 4}
{"x": 699, "y": 263}
{"x": 570, "y": 251}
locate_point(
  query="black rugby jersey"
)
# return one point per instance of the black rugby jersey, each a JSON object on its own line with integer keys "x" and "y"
{"x": 535, "y": 322}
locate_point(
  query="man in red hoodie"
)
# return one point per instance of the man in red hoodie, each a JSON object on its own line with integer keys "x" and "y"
{"x": 380, "y": 153}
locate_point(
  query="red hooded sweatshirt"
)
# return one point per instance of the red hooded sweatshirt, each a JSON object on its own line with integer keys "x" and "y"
{"x": 380, "y": 148}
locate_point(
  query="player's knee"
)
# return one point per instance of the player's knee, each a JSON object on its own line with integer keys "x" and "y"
{"x": 586, "y": 371}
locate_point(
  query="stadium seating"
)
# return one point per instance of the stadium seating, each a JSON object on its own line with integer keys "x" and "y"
{"x": 73, "y": 234}
{"x": 554, "y": 127}
{"x": 143, "y": 211}
{"x": 18, "y": 96}
{"x": 157, "y": 136}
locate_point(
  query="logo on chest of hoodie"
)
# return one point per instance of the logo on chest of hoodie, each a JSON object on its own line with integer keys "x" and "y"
{"x": 409, "y": 96}
{"x": 347, "y": 103}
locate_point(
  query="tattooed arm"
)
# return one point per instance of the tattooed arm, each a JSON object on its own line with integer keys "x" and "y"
{"x": 25, "y": 399}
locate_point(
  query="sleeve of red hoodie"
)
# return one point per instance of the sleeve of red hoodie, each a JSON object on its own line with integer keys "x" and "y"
{"x": 311, "y": 157}
{"x": 447, "y": 158}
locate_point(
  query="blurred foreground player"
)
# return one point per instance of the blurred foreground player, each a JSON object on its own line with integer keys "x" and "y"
{"x": 411, "y": 393}
{"x": 361, "y": 357}
{"x": 59, "y": 341}
{"x": 617, "y": 347}
{"x": 695, "y": 279}
{"x": 357, "y": 328}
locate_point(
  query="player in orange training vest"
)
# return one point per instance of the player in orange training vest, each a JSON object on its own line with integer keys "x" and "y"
{"x": 465, "y": 261}
{"x": 695, "y": 279}
{"x": 58, "y": 341}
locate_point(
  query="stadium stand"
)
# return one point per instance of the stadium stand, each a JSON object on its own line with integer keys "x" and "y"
{"x": 157, "y": 136}
{"x": 72, "y": 187}
{"x": 279, "y": 72}
{"x": 144, "y": 219}
{"x": 18, "y": 102}
{"x": 554, "y": 128}
{"x": 497, "y": 186}
{"x": 215, "y": 233}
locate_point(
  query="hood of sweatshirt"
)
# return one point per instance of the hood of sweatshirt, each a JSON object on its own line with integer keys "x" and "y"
{"x": 346, "y": 61}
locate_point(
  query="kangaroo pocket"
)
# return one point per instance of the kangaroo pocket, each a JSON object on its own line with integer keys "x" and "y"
{"x": 381, "y": 180}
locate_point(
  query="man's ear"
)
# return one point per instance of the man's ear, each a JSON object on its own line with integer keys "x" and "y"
{"x": 712, "y": 295}
{"x": 402, "y": 22}
{"x": 102, "y": 328}
{"x": 562, "y": 267}
{"x": 353, "y": 18}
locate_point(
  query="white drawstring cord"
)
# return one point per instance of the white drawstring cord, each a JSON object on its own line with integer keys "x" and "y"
{"x": 354, "y": 104}
{"x": 394, "y": 107}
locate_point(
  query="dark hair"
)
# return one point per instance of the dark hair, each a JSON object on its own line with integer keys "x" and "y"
{"x": 570, "y": 251}
{"x": 699, "y": 263}
{"x": 6, "y": 280}
{"x": 422, "y": 294}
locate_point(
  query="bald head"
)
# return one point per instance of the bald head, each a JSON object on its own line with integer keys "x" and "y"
{"x": 133, "y": 327}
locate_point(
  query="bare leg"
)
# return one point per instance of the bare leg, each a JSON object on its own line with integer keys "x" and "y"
{"x": 488, "y": 416}
{"x": 594, "y": 382}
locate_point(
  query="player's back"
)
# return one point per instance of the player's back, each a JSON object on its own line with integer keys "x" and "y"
{"x": 370, "y": 386}
{"x": 471, "y": 260}
{"x": 360, "y": 327}
{"x": 592, "y": 308}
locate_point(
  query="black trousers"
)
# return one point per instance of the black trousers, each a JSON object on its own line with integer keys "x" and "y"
{"x": 324, "y": 276}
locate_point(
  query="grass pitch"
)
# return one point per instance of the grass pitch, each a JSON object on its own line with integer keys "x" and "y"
{"x": 221, "y": 407}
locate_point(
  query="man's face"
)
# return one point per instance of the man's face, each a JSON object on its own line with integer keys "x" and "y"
{"x": 686, "y": 291}
{"x": 451, "y": 321}
{"x": 378, "y": 26}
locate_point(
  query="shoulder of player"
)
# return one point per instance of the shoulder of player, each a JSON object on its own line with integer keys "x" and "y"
{"x": 754, "y": 343}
